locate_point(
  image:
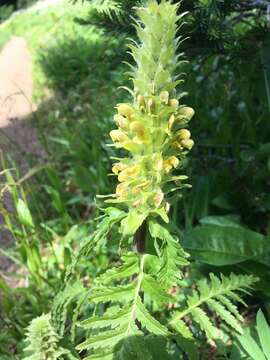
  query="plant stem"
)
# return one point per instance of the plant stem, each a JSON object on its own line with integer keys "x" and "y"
{"x": 140, "y": 238}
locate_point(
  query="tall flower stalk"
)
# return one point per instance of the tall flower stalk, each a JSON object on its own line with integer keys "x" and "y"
{"x": 152, "y": 133}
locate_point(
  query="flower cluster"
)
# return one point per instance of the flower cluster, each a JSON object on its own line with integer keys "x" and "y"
{"x": 153, "y": 128}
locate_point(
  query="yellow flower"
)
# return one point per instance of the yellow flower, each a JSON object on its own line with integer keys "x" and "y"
{"x": 174, "y": 103}
{"x": 121, "y": 121}
{"x": 121, "y": 190}
{"x": 171, "y": 162}
{"x": 137, "y": 128}
{"x": 183, "y": 134}
{"x": 188, "y": 144}
{"x": 125, "y": 110}
{"x": 140, "y": 186}
{"x": 118, "y": 136}
{"x": 128, "y": 173}
{"x": 118, "y": 167}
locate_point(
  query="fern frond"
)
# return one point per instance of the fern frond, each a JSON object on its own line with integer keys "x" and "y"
{"x": 114, "y": 327}
{"x": 43, "y": 341}
{"x": 216, "y": 294}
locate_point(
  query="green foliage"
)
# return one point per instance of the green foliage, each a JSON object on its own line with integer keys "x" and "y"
{"x": 257, "y": 350}
{"x": 64, "y": 258}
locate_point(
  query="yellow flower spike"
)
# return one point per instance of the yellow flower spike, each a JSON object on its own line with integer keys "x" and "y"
{"x": 188, "y": 144}
{"x": 164, "y": 96}
{"x": 128, "y": 173}
{"x": 118, "y": 136}
{"x": 183, "y": 134}
{"x": 125, "y": 109}
{"x": 174, "y": 103}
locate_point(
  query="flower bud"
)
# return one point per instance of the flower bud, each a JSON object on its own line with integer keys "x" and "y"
{"x": 188, "y": 144}
{"x": 140, "y": 100}
{"x": 151, "y": 105}
{"x": 125, "y": 110}
{"x": 158, "y": 198}
{"x": 157, "y": 162}
{"x": 164, "y": 96}
{"x": 171, "y": 162}
{"x": 174, "y": 103}
{"x": 186, "y": 113}
{"x": 171, "y": 121}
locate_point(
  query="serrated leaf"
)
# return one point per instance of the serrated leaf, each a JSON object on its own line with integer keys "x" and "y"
{"x": 129, "y": 268}
{"x": 205, "y": 324}
{"x": 224, "y": 314}
{"x": 117, "y": 293}
{"x": 147, "y": 320}
{"x": 104, "y": 340}
{"x": 114, "y": 320}
{"x": 182, "y": 329}
{"x": 230, "y": 306}
{"x": 155, "y": 290}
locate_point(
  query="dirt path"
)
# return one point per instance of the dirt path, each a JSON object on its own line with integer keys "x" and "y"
{"x": 18, "y": 138}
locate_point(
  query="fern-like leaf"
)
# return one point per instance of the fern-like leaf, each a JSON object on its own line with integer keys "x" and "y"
{"x": 171, "y": 253}
{"x": 43, "y": 341}
{"x": 217, "y": 295}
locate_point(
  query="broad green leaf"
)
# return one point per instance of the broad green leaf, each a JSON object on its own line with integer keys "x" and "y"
{"x": 225, "y": 244}
{"x": 263, "y": 330}
{"x": 251, "y": 347}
